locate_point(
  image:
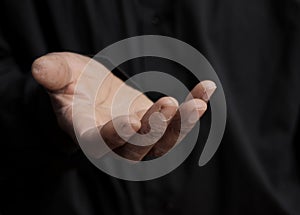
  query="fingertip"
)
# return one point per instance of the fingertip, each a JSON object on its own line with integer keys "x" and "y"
{"x": 169, "y": 106}
{"x": 168, "y": 101}
{"x": 198, "y": 110}
{"x": 193, "y": 109}
{"x": 199, "y": 104}
{"x": 209, "y": 88}
{"x": 51, "y": 71}
{"x": 38, "y": 69}
{"x": 208, "y": 83}
{"x": 202, "y": 90}
{"x": 135, "y": 123}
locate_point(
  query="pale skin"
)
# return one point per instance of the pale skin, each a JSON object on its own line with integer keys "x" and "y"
{"x": 58, "y": 73}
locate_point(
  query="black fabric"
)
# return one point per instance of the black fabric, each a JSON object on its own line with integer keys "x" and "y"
{"x": 254, "y": 47}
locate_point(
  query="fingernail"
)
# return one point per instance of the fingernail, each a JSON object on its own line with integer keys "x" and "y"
{"x": 171, "y": 101}
{"x": 200, "y": 105}
{"x": 209, "y": 89}
{"x": 194, "y": 117}
{"x": 165, "y": 116}
{"x": 169, "y": 111}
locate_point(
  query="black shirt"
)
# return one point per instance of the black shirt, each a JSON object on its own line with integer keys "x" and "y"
{"x": 254, "y": 47}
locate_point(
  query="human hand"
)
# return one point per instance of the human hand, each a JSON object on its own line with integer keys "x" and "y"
{"x": 160, "y": 122}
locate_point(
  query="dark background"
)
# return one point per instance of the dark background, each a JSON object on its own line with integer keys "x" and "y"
{"x": 254, "y": 47}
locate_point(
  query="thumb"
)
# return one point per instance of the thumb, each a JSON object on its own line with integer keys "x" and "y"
{"x": 52, "y": 71}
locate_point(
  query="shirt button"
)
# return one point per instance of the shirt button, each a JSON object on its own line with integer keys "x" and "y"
{"x": 155, "y": 20}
